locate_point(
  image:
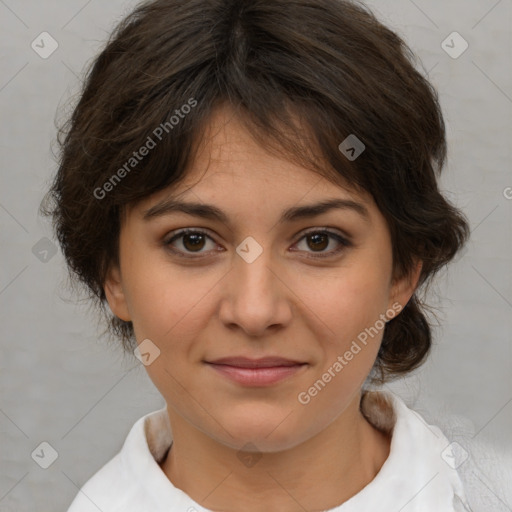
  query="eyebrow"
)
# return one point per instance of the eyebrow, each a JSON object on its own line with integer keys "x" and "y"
{"x": 208, "y": 211}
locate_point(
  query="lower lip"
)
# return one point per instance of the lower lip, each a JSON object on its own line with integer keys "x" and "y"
{"x": 257, "y": 376}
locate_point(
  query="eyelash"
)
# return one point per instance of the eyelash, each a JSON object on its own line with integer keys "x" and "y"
{"x": 344, "y": 243}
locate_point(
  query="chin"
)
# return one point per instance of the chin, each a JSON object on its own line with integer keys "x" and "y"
{"x": 266, "y": 435}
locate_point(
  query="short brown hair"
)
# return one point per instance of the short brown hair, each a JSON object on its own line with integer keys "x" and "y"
{"x": 329, "y": 63}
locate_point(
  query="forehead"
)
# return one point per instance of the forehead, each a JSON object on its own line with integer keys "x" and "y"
{"x": 235, "y": 172}
{"x": 230, "y": 156}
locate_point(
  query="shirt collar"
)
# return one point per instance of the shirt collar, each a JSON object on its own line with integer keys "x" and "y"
{"x": 415, "y": 477}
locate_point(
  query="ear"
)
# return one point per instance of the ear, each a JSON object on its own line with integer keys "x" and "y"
{"x": 403, "y": 288}
{"x": 114, "y": 292}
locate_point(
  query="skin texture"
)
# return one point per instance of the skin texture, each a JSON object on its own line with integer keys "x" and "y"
{"x": 286, "y": 303}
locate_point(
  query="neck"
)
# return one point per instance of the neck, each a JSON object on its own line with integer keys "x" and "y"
{"x": 337, "y": 463}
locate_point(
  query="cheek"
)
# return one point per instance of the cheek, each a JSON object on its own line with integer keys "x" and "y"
{"x": 355, "y": 299}
{"x": 350, "y": 306}
{"x": 164, "y": 305}
{"x": 160, "y": 295}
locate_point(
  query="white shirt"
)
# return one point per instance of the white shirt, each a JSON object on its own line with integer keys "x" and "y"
{"x": 417, "y": 476}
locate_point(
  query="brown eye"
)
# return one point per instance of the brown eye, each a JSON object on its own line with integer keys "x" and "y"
{"x": 318, "y": 241}
{"x": 192, "y": 241}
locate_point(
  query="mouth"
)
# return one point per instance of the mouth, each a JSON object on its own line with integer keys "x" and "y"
{"x": 263, "y": 362}
{"x": 256, "y": 372}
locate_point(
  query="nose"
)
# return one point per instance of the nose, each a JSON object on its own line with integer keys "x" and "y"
{"x": 256, "y": 296}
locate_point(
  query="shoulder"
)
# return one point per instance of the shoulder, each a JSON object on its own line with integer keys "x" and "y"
{"x": 484, "y": 466}
{"x": 120, "y": 485}
{"x": 109, "y": 489}
{"x": 430, "y": 438}
{"x": 417, "y": 474}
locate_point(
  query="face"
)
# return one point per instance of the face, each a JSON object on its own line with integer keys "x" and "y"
{"x": 254, "y": 282}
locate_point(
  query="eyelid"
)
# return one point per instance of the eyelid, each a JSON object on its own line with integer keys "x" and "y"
{"x": 205, "y": 231}
{"x": 343, "y": 234}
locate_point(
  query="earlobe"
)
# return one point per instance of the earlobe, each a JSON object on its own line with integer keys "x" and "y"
{"x": 115, "y": 294}
{"x": 403, "y": 288}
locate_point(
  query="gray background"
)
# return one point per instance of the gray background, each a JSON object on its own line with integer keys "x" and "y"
{"x": 62, "y": 384}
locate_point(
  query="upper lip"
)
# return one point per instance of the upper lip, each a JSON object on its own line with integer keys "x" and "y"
{"x": 264, "y": 362}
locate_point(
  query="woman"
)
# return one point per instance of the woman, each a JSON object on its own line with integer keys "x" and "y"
{"x": 251, "y": 188}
